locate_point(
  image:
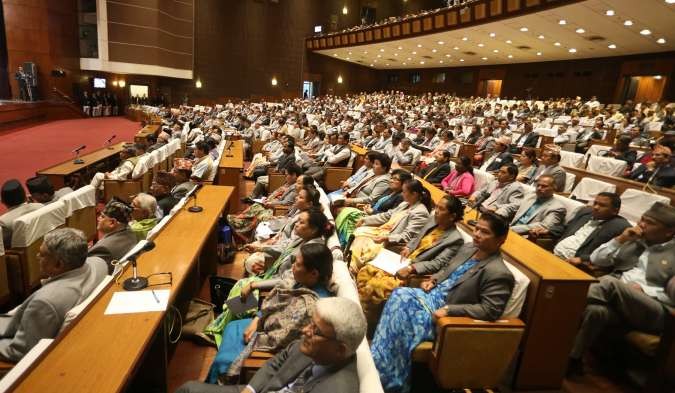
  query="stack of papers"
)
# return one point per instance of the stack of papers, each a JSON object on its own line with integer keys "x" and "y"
{"x": 389, "y": 261}
{"x": 138, "y": 301}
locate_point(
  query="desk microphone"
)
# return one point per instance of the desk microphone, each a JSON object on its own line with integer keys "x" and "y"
{"x": 107, "y": 142}
{"x": 78, "y": 160}
{"x": 195, "y": 208}
{"x": 136, "y": 283}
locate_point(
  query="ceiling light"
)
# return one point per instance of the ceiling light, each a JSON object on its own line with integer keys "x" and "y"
{"x": 339, "y": 80}
{"x": 441, "y": 42}
{"x": 400, "y": 47}
{"x": 440, "y": 61}
{"x": 611, "y": 46}
{"x": 483, "y": 58}
{"x": 508, "y": 41}
{"x": 198, "y": 84}
{"x": 347, "y": 58}
{"x": 572, "y": 50}
{"x": 414, "y": 53}
{"x": 628, "y": 23}
{"x": 433, "y": 50}
{"x": 661, "y": 41}
{"x": 419, "y": 45}
{"x": 456, "y": 48}
{"x": 657, "y": 77}
{"x": 387, "y": 64}
{"x": 344, "y": 10}
{"x": 379, "y": 56}
{"x": 562, "y": 22}
{"x": 496, "y": 51}
{"x": 375, "y": 61}
{"x": 395, "y": 54}
{"x": 365, "y": 52}
{"x": 670, "y": 1}
{"x": 492, "y": 34}
{"x": 538, "y": 53}
{"x": 609, "y": 12}
{"x": 274, "y": 81}
{"x": 556, "y": 43}
{"x": 404, "y": 64}
{"x": 421, "y": 62}
{"x": 510, "y": 56}
{"x": 462, "y": 60}
{"x": 371, "y": 65}
{"x": 335, "y": 54}
{"x": 523, "y": 29}
{"x": 645, "y": 32}
{"x": 481, "y": 45}
{"x": 408, "y": 59}
{"x": 580, "y": 30}
{"x": 382, "y": 50}
{"x": 350, "y": 53}
{"x": 541, "y": 37}
{"x": 464, "y": 38}
{"x": 447, "y": 55}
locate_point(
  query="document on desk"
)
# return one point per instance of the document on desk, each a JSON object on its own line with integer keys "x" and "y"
{"x": 389, "y": 261}
{"x": 138, "y": 301}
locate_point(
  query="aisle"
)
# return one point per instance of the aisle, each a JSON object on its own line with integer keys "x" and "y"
{"x": 25, "y": 151}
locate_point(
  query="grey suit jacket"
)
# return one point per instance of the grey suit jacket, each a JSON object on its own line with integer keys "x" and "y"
{"x": 508, "y": 200}
{"x": 42, "y": 314}
{"x": 558, "y": 174}
{"x": 7, "y": 220}
{"x": 440, "y": 253}
{"x": 415, "y": 219}
{"x": 549, "y": 215}
{"x": 483, "y": 291}
{"x": 374, "y": 189}
{"x": 287, "y": 365}
{"x": 182, "y": 189}
{"x": 114, "y": 246}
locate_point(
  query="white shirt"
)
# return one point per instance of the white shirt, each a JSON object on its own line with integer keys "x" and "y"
{"x": 568, "y": 247}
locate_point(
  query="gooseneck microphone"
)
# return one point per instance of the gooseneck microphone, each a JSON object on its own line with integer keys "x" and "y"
{"x": 137, "y": 283}
{"x": 109, "y": 140}
{"x": 195, "y": 208}
{"x": 77, "y": 151}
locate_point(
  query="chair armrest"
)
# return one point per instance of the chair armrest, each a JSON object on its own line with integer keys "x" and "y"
{"x": 445, "y": 322}
{"x": 6, "y": 366}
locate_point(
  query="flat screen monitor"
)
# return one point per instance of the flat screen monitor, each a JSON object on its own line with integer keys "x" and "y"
{"x": 317, "y": 29}
{"x": 99, "y": 83}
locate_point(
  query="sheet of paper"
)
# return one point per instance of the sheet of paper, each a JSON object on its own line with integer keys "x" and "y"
{"x": 259, "y": 200}
{"x": 138, "y": 301}
{"x": 389, "y": 261}
{"x": 236, "y": 306}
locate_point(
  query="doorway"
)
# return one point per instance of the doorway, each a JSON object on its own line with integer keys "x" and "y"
{"x": 644, "y": 88}
{"x": 490, "y": 87}
{"x": 307, "y": 90}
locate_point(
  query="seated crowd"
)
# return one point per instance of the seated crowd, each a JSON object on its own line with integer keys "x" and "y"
{"x": 412, "y": 144}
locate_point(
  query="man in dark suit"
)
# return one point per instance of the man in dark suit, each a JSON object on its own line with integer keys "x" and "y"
{"x": 659, "y": 172}
{"x": 528, "y": 138}
{"x": 500, "y": 156}
{"x": 117, "y": 238}
{"x": 439, "y": 169}
{"x": 323, "y": 361}
{"x": 590, "y": 228}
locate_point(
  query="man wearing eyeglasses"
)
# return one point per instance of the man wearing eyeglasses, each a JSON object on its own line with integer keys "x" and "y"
{"x": 322, "y": 361}
{"x": 118, "y": 238}
{"x": 659, "y": 172}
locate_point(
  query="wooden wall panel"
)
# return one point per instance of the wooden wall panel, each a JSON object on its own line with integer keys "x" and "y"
{"x": 427, "y": 23}
{"x": 416, "y": 26}
{"x": 439, "y": 21}
{"x": 512, "y": 5}
{"x": 479, "y": 11}
{"x": 405, "y": 27}
{"x": 495, "y": 7}
{"x": 396, "y": 30}
{"x": 465, "y": 17}
{"x": 386, "y": 32}
{"x": 532, "y": 3}
{"x": 452, "y": 18}
{"x": 377, "y": 34}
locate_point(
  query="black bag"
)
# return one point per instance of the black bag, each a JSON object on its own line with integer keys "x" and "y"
{"x": 220, "y": 288}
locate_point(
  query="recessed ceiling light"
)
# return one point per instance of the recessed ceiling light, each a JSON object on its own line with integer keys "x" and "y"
{"x": 661, "y": 41}
{"x": 371, "y": 65}
{"x": 492, "y": 34}
{"x": 421, "y": 62}
{"x": 347, "y": 58}
{"x": 462, "y": 60}
{"x": 496, "y": 51}
{"x": 556, "y": 43}
{"x": 483, "y": 58}
{"x": 448, "y": 55}
{"x": 365, "y": 52}
{"x": 541, "y": 37}
{"x": 387, "y": 64}
{"x": 395, "y": 54}
{"x": 408, "y": 59}
{"x": 580, "y": 30}
{"x": 382, "y": 50}
{"x": 628, "y": 23}
{"x": 508, "y": 41}
{"x": 379, "y": 56}
{"x": 572, "y": 50}
{"x": 419, "y": 45}
{"x": 434, "y": 50}
{"x": 400, "y": 47}
{"x": 464, "y": 38}
{"x": 562, "y": 22}
{"x": 375, "y": 61}
{"x": 670, "y": 1}
{"x": 481, "y": 45}
{"x": 510, "y": 56}
{"x": 609, "y": 12}
{"x": 456, "y": 48}
{"x": 350, "y": 53}
{"x": 645, "y": 32}
{"x": 335, "y": 54}
{"x": 538, "y": 53}
{"x": 523, "y": 29}
{"x": 441, "y": 42}
{"x": 404, "y": 64}
{"x": 440, "y": 61}
{"x": 611, "y": 46}
{"x": 657, "y": 77}
{"x": 414, "y": 53}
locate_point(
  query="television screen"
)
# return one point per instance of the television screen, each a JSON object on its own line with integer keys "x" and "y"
{"x": 99, "y": 83}
{"x": 317, "y": 29}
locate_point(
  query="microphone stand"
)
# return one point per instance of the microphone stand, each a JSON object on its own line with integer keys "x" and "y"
{"x": 78, "y": 160}
{"x": 135, "y": 283}
{"x": 195, "y": 208}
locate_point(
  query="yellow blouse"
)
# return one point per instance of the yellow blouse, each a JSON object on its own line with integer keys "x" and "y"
{"x": 427, "y": 241}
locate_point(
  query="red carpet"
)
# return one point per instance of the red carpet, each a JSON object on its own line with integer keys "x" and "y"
{"x": 25, "y": 151}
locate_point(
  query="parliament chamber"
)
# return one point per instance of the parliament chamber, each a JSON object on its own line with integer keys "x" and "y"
{"x": 337, "y": 196}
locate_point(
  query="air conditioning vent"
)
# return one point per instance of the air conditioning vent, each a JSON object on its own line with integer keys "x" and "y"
{"x": 469, "y": 53}
{"x": 393, "y": 60}
{"x": 427, "y": 57}
{"x": 524, "y": 47}
{"x": 596, "y": 38}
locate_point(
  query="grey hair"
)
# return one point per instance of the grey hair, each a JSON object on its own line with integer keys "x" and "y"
{"x": 347, "y": 320}
{"x": 68, "y": 245}
{"x": 147, "y": 203}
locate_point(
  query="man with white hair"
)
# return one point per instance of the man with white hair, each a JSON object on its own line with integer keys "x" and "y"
{"x": 68, "y": 278}
{"x": 323, "y": 361}
{"x": 144, "y": 215}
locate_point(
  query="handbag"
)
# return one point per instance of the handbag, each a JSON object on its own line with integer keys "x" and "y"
{"x": 220, "y": 288}
{"x": 198, "y": 317}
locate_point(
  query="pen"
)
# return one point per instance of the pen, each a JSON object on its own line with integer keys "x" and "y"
{"x": 155, "y": 295}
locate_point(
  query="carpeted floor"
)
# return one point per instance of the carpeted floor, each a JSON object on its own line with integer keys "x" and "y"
{"x": 27, "y": 150}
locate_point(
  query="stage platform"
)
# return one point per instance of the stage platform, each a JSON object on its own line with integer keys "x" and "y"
{"x": 15, "y": 113}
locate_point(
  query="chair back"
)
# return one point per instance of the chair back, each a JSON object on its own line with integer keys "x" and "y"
{"x": 588, "y": 188}
{"x": 24, "y": 364}
{"x": 81, "y": 210}
{"x": 596, "y": 149}
{"x": 606, "y": 166}
{"x": 74, "y": 312}
{"x": 144, "y": 164}
{"x": 481, "y": 178}
{"x": 569, "y": 182}
{"x": 635, "y": 202}
{"x": 571, "y": 206}
{"x": 572, "y": 159}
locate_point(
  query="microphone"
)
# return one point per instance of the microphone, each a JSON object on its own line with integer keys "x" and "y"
{"x": 136, "y": 283}
{"x": 195, "y": 208}
{"x": 78, "y": 160}
{"x": 107, "y": 142}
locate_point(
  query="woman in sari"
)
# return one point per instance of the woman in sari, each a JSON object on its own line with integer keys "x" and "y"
{"x": 527, "y": 165}
{"x": 345, "y": 223}
{"x": 428, "y": 252}
{"x": 474, "y": 284}
{"x": 312, "y": 227}
{"x": 243, "y": 224}
{"x": 283, "y": 314}
{"x": 392, "y": 228}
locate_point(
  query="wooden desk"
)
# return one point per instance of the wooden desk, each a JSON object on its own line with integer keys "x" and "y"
{"x": 145, "y": 132}
{"x": 556, "y": 298}
{"x": 101, "y": 353}
{"x": 620, "y": 183}
{"x": 58, "y": 174}
{"x": 229, "y": 171}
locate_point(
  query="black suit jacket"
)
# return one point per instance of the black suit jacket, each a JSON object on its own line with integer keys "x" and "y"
{"x": 436, "y": 172}
{"x": 605, "y": 232}
{"x": 502, "y": 159}
{"x": 285, "y": 367}
{"x": 664, "y": 178}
